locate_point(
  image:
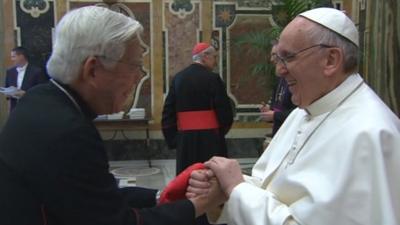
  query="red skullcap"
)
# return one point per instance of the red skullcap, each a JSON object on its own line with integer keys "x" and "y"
{"x": 199, "y": 47}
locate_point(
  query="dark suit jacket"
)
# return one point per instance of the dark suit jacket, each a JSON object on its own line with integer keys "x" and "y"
{"x": 54, "y": 170}
{"x": 33, "y": 76}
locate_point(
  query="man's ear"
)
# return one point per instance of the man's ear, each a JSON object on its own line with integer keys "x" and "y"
{"x": 334, "y": 61}
{"x": 89, "y": 69}
{"x": 203, "y": 59}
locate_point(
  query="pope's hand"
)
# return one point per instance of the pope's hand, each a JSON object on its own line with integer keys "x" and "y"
{"x": 227, "y": 171}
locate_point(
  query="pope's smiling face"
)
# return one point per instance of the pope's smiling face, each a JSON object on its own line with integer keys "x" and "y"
{"x": 303, "y": 68}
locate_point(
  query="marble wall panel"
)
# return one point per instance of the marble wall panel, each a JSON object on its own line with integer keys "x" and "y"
{"x": 34, "y": 29}
{"x": 248, "y": 87}
{"x": 181, "y": 34}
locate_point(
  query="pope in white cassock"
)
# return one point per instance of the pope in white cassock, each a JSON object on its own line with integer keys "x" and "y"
{"x": 336, "y": 159}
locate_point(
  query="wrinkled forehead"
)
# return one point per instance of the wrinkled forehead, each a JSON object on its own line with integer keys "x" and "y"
{"x": 296, "y": 35}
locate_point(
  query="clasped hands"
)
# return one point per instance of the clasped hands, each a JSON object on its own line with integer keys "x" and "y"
{"x": 206, "y": 185}
{"x": 216, "y": 181}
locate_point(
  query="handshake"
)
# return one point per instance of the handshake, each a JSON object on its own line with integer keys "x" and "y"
{"x": 207, "y": 185}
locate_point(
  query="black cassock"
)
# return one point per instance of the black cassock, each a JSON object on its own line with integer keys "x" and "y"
{"x": 54, "y": 169}
{"x": 196, "y": 116}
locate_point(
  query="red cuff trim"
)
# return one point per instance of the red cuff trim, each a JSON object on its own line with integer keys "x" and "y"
{"x": 139, "y": 220}
{"x": 44, "y": 215}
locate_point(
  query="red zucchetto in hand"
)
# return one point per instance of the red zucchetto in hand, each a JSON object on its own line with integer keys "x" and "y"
{"x": 176, "y": 189}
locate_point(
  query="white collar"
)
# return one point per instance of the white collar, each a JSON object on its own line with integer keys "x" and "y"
{"x": 331, "y": 100}
{"x": 22, "y": 68}
{"x": 68, "y": 95}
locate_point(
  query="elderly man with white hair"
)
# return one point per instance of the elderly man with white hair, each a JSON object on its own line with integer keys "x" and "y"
{"x": 53, "y": 164}
{"x": 336, "y": 158}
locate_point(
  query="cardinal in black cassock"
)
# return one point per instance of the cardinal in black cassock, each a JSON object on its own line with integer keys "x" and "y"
{"x": 197, "y": 112}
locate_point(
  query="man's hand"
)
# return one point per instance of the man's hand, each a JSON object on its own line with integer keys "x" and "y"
{"x": 267, "y": 115}
{"x": 18, "y": 94}
{"x": 176, "y": 189}
{"x": 264, "y": 107}
{"x": 12, "y": 92}
{"x": 227, "y": 171}
{"x": 199, "y": 183}
{"x": 205, "y": 193}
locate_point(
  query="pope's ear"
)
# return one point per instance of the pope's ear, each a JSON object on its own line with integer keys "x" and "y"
{"x": 334, "y": 61}
{"x": 89, "y": 68}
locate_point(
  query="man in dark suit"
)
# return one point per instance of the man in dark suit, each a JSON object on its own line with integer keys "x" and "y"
{"x": 23, "y": 75}
{"x": 53, "y": 164}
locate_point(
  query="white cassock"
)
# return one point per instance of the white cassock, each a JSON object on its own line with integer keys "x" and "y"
{"x": 335, "y": 163}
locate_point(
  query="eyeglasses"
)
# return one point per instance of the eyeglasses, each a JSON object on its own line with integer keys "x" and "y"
{"x": 290, "y": 57}
{"x": 134, "y": 66}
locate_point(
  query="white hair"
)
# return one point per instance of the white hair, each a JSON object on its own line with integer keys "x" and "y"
{"x": 199, "y": 56}
{"x": 320, "y": 34}
{"x": 89, "y": 31}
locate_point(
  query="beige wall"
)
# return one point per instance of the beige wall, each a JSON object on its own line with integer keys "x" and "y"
{"x": 8, "y": 42}
{"x": 382, "y": 50}
{"x": 3, "y": 105}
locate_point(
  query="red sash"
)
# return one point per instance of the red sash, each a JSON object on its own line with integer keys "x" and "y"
{"x": 197, "y": 120}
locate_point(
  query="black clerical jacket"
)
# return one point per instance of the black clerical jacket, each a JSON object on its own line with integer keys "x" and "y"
{"x": 54, "y": 170}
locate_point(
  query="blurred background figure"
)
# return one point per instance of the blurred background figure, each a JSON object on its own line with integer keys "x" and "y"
{"x": 23, "y": 75}
{"x": 280, "y": 105}
{"x": 197, "y": 112}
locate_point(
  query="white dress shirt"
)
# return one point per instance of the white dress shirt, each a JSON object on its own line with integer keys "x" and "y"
{"x": 21, "y": 74}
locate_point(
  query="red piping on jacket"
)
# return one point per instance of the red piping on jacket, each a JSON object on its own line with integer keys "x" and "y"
{"x": 44, "y": 216}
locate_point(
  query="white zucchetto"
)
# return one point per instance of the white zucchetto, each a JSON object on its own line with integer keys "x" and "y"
{"x": 334, "y": 20}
